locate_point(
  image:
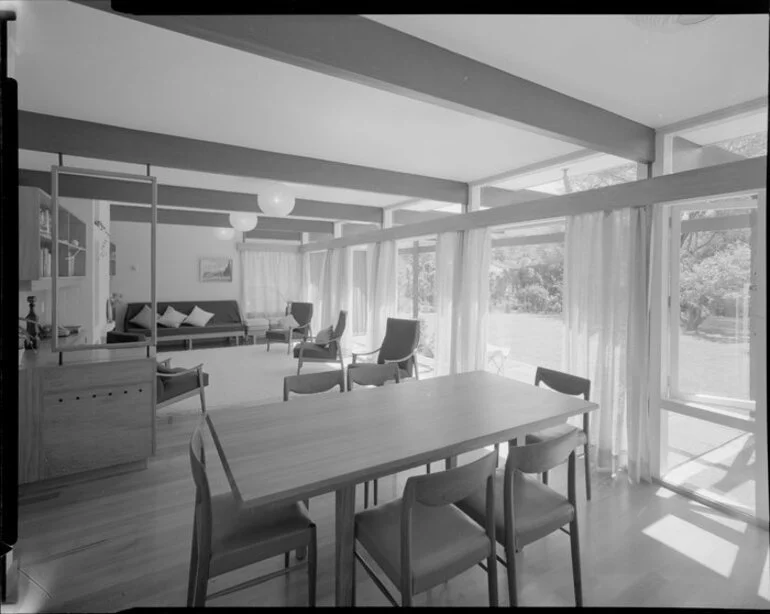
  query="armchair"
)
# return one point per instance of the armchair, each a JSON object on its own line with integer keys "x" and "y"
{"x": 176, "y": 384}
{"x": 310, "y": 351}
{"x": 399, "y": 346}
{"x": 303, "y": 313}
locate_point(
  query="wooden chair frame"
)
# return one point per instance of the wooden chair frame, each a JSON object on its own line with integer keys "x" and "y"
{"x": 289, "y": 332}
{"x": 338, "y": 339}
{"x": 537, "y": 458}
{"x": 200, "y": 555}
{"x": 312, "y": 383}
{"x": 435, "y": 490}
{"x": 573, "y": 385}
{"x": 200, "y": 390}
{"x": 367, "y": 374}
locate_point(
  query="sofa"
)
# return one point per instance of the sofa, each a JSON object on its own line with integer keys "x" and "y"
{"x": 226, "y": 323}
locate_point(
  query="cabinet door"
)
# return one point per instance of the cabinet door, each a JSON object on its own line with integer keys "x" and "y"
{"x": 29, "y": 233}
{"x": 96, "y": 416}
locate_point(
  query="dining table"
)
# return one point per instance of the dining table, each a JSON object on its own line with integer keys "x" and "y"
{"x": 316, "y": 444}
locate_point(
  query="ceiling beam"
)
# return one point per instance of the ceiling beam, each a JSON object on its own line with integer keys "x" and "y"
{"x": 97, "y": 188}
{"x": 130, "y": 213}
{"x": 406, "y": 216}
{"x": 749, "y": 174}
{"x": 53, "y": 134}
{"x": 363, "y": 51}
{"x": 686, "y": 155}
{"x": 499, "y": 197}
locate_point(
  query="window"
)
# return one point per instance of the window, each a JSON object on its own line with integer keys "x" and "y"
{"x": 416, "y": 269}
{"x": 526, "y": 276}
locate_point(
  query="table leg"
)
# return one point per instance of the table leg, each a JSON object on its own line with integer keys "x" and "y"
{"x": 344, "y": 560}
{"x": 450, "y": 463}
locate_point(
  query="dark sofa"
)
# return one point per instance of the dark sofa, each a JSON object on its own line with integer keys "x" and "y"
{"x": 226, "y": 323}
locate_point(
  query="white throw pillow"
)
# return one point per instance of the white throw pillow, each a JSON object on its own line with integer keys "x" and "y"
{"x": 172, "y": 318}
{"x": 198, "y": 317}
{"x": 143, "y": 319}
{"x": 274, "y": 323}
{"x": 323, "y": 336}
{"x": 289, "y": 322}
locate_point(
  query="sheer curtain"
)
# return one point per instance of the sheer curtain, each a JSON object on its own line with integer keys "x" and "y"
{"x": 382, "y": 290}
{"x": 643, "y": 296}
{"x": 474, "y": 300}
{"x": 448, "y": 251}
{"x": 606, "y": 299}
{"x": 269, "y": 280}
{"x": 336, "y": 291}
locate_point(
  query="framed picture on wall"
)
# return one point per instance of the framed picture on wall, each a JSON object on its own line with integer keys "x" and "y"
{"x": 216, "y": 269}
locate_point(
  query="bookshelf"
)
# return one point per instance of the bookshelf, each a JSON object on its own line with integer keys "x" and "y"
{"x": 36, "y": 240}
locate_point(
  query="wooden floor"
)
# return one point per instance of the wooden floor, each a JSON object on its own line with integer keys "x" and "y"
{"x": 121, "y": 542}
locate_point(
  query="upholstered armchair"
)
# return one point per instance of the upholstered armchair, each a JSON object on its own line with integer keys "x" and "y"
{"x": 399, "y": 346}
{"x": 328, "y": 350}
{"x": 175, "y": 384}
{"x": 302, "y": 313}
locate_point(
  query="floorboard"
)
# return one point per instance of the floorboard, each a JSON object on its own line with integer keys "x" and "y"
{"x": 121, "y": 542}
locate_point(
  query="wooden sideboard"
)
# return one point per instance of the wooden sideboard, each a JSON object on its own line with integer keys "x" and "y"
{"x": 96, "y": 410}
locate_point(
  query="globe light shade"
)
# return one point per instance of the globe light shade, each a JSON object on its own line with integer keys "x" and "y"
{"x": 276, "y": 200}
{"x": 225, "y": 234}
{"x": 243, "y": 221}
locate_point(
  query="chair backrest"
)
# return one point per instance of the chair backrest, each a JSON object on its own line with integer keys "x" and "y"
{"x": 311, "y": 383}
{"x": 372, "y": 375}
{"x": 302, "y": 312}
{"x": 444, "y": 488}
{"x": 563, "y": 382}
{"x": 200, "y": 477}
{"x": 402, "y": 337}
{"x": 342, "y": 322}
{"x": 543, "y": 456}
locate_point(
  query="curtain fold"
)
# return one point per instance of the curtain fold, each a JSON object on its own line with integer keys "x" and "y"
{"x": 382, "y": 290}
{"x": 448, "y": 251}
{"x": 336, "y": 293}
{"x": 473, "y": 302}
{"x": 641, "y": 380}
{"x": 606, "y": 312}
{"x": 269, "y": 279}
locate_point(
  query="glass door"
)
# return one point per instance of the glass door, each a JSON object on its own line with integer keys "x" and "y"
{"x": 713, "y": 438}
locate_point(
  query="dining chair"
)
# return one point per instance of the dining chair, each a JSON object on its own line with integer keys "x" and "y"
{"x": 574, "y": 386}
{"x": 528, "y": 509}
{"x": 318, "y": 349}
{"x": 312, "y": 383}
{"x": 422, "y": 540}
{"x": 230, "y": 533}
{"x": 372, "y": 375}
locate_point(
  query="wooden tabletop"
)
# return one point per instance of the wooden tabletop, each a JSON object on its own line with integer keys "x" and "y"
{"x": 315, "y": 444}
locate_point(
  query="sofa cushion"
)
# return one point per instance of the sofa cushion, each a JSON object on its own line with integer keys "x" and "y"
{"x": 225, "y": 311}
{"x": 198, "y": 317}
{"x": 171, "y": 318}
{"x": 143, "y": 319}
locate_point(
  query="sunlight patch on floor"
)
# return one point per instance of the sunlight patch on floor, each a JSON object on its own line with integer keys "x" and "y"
{"x": 707, "y": 549}
{"x": 664, "y": 493}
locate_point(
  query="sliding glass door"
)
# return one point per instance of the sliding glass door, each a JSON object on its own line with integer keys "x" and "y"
{"x": 712, "y": 428}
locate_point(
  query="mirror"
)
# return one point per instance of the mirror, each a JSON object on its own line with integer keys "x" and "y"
{"x": 92, "y": 286}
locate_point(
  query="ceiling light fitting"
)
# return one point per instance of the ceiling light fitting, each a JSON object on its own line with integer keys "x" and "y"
{"x": 243, "y": 221}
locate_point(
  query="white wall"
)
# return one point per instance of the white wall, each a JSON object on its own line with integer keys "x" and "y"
{"x": 178, "y": 250}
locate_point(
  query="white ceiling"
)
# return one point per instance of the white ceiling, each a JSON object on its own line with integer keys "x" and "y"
{"x": 655, "y": 78}
{"x": 82, "y": 63}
